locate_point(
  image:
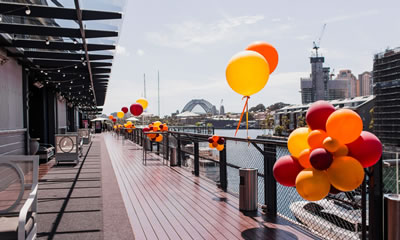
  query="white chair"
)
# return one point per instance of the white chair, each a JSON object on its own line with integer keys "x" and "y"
{"x": 18, "y": 197}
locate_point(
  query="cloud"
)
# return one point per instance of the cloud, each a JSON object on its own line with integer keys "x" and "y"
{"x": 303, "y": 37}
{"x": 191, "y": 33}
{"x": 140, "y": 52}
{"x": 276, "y": 20}
{"x": 352, "y": 16}
{"x": 121, "y": 50}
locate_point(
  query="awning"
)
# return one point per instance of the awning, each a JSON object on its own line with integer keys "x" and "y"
{"x": 52, "y": 40}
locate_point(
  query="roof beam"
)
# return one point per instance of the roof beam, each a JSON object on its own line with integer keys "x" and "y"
{"x": 61, "y": 63}
{"x": 40, "y": 30}
{"x": 61, "y": 55}
{"x": 18, "y": 9}
{"x": 56, "y": 45}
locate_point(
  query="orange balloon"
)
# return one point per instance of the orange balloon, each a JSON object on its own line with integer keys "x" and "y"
{"x": 151, "y": 135}
{"x": 297, "y": 141}
{"x": 344, "y": 125}
{"x": 111, "y": 117}
{"x": 267, "y": 51}
{"x": 316, "y": 138}
{"x": 304, "y": 158}
{"x": 331, "y": 144}
{"x": 220, "y": 147}
{"x": 312, "y": 185}
{"x": 215, "y": 144}
{"x": 211, "y": 145}
{"x": 345, "y": 173}
{"x": 159, "y": 138}
{"x": 343, "y": 150}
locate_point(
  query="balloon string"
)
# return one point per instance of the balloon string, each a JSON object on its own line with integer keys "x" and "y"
{"x": 241, "y": 116}
{"x": 247, "y": 120}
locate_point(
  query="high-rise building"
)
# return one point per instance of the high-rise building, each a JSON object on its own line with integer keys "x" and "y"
{"x": 386, "y": 78}
{"x": 365, "y": 80}
{"x": 320, "y": 86}
{"x": 353, "y": 88}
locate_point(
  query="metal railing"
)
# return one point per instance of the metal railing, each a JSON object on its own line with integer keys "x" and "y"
{"x": 340, "y": 216}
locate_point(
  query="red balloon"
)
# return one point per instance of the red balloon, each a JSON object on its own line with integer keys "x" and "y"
{"x": 367, "y": 149}
{"x": 286, "y": 169}
{"x": 320, "y": 159}
{"x": 124, "y": 109}
{"x": 136, "y": 109}
{"x": 210, "y": 140}
{"x": 114, "y": 119}
{"x": 318, "y": 113}
{"x": 221, "y": 141}
{"x": 146, "y": 129}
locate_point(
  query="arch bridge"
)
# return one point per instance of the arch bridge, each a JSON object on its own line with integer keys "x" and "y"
{"x": 206, "y": 105}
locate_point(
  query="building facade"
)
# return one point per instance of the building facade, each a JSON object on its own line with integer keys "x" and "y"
{"x": 320, "y": 86}
{"x": 365, "y": 81}
{"x": 353, "y": 86}
{"x": 386, "y": 78}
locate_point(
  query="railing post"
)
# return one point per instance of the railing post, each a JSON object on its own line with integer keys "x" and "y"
{"x": 270, "y": 197}
{"x": 196, "y": 158}
{"x": 375, "y": 230}
{"x": 166, "y": 156}
{"x": 178, "y": 151}
{"x": 223, "y": 176}
{"x": 158, "y": 148}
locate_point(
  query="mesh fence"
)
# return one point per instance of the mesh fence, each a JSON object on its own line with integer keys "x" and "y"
{"x": 390, "y": 172}
{"x": 338, "y": 216}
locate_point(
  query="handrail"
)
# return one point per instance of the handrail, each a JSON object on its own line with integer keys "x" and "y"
{"x": 3, "y": 132}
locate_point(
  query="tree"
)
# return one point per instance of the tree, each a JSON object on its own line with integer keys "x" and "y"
{"x": 277, "y": 106}
{"x": 259, "y": 108}
{"x": 278, "y": 130}
{"x": 268, "y": 122}
{"x": 301, "y": 121}
{"x": 371, "y": 123}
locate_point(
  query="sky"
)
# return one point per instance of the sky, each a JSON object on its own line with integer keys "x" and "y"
{"x": 190, "y": 43}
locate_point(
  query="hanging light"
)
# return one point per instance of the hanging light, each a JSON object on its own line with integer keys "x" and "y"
{"x": 83, "y": 86}
{"x": 1, "y": 18}
{"x": 27, "y": 11}
{"x": 75, "y": 42}
{"x": 45, "y": 73}
{"x": 76, "y": 66}
{"x": 59, "y": 84}
{"x": 84, "y": 63}
{"x": 64, "y": 75}
{"x": 72, "y": 82}
{"x": 58, "y": 70}
{"x": 47, "y": 82}
{"x": 47, "y": 42}
{"x": 41, "y": 71}
{"x": 70, "y": 88}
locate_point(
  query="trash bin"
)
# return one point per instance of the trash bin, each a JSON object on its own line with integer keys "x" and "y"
{"x": 392, "y": 216}
{"x": 248, "y": 189}
{"x": 173, "y": 159}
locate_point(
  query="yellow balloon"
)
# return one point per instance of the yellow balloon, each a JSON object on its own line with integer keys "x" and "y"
{"x": 143, "y": 102}
{"x": 312, "y": 185}
{"x": 129, "y": 123}
{"x": 297, "y": 141}
{"x": 220, "y": 147}
{"x": 247, "y": 72}
{"x": 157, "y": 123}
{"x": 345, "y": 173}
{"x": 120, "y": 114}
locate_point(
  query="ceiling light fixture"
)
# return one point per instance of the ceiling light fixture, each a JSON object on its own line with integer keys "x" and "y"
{"x": 28, "y": 11}
{"x": 47, "y": 42}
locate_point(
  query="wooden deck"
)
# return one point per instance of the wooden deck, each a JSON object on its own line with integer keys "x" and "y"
{"x": 171, "y": 203}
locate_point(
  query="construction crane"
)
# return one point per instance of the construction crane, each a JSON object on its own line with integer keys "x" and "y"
{"x": 317, "y": 44}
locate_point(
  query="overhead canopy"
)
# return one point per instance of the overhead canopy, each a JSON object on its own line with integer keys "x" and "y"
{"x": 52, "y": 39}
{"x": 100, "y": 119}
{"x": 132, "y": 119}
{"x": 187, "y": 114}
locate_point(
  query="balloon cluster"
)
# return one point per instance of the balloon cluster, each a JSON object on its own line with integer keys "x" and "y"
{"x": 138, "y": 107}
{"x": 330, "y": 155}
{"x": 111, "y": 117}
{"x": 216, "y": 142}
{"x": 129, "y": 126}
{"x": 248, "y": 71}
{"x": 152, "y": 130}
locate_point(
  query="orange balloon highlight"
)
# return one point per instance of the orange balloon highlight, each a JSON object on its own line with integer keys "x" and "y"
{"x": 316, "y": 138}
{"x": 330, "y": 144}
{"x": 345, "y": 173}
{"x": 312, "y": 185}
{"x": 220, "y": 147}
{"x": 344, "y": 125}
{"x": 304, "y": 158}
{"x": 267, "y": 51}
